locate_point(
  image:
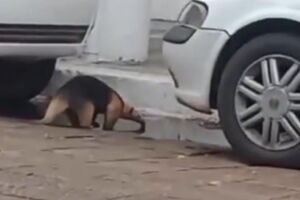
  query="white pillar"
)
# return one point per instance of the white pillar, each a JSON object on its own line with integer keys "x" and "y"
{"x": 121, "y": 31}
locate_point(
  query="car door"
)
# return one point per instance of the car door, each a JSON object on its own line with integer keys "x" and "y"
{"x": 45, "y": 21}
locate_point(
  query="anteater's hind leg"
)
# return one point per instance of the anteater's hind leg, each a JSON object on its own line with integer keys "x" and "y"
{"x": 85, "y": 114}
{"x": 112, "y": 114}
{"x": 57, "y": 106}
{"x": 72, "y": 115}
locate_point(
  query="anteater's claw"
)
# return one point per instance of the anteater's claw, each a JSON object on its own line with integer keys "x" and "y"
{"x": 142, "y": 129}
{"x": 96, "y": 125}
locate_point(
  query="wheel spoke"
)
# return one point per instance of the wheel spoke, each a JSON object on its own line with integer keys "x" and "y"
{"x": 274, "y": 71}
{"x": 270, "y": 132}
{"x": 294, "y": 96}
{"x": 287, "y": 78}
{"x": 295, "y": 107}
{"x": 294, "y": 120}
{"x": 294, "y": 84}
{"x": 253, "y": 120}
{"x": 249, "y": 111}
{"x": 257, "y": 87}
{"x": 266, "y": 130}
{"x": 249, "y": 93}
{"x": 289, "y": 129}
{"x": 265, "y": 73}
{"x": 274, "y": 133}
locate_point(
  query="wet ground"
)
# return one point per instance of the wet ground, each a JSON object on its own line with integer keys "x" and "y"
{"x": 55, "y": 163}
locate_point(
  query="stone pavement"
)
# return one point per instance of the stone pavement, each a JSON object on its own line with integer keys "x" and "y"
{"x": 52, "y": 163}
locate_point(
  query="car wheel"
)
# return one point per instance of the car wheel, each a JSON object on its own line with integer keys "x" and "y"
{"x": 259, "y": 100}
{"x": 22, "y": 80}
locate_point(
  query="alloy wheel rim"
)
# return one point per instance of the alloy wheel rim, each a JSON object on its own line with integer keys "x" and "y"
{"x": 267, "y": 102}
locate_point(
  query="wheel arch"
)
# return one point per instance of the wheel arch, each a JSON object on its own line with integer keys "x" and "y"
{"x": 241, "y": 37}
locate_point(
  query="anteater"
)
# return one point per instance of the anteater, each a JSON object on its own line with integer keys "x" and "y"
{"x": 84, "y": 97}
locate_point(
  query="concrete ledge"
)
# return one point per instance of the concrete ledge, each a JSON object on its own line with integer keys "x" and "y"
{"x": 149, "y": 87}
{"x": 152, "y": 94}
{"x": 146, "y": 89}
{"x": 160, "y": 127}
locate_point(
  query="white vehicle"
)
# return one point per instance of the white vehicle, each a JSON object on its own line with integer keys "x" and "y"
{"x": 33, "y": 33}
{"x": 242, "y": 57}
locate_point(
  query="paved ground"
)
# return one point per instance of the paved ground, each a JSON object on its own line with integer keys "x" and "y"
{"x": 52, "y": 163}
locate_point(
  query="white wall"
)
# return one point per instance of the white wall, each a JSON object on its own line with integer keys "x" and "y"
{"x": 167, "y": 9}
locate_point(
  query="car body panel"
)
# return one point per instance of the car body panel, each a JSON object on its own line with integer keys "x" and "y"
{"x": 192, "y": 63}
{"x": 193, "y": 66}
{"x": 232, "y": 15}
{"x": 51, "y": 12}
{"x": 44, "y": 28}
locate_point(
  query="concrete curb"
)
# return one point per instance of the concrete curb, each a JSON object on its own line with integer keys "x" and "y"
{"x": 149, "y": 87}
{"x": 149, "y": 91}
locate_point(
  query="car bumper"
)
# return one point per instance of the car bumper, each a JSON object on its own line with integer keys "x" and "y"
{"x": 191, "y": 55}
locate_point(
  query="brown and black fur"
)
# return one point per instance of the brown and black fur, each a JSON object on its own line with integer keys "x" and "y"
{"x": 83, "y": 98}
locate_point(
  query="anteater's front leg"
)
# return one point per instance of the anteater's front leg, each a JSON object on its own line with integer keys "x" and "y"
{"x": 95, "y": 124}
{"x": 139, "y": 120}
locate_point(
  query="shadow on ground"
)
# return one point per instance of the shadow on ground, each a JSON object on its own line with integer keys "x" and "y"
{"x": 24, "y": 110}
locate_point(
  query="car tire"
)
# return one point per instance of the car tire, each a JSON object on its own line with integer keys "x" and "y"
{"x": 267, "y": 139}
{"x": 22, "y": 80}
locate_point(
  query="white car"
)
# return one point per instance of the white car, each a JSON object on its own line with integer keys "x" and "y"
{"x": 242, "y": 57}
{"x": 33, "y": 33}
